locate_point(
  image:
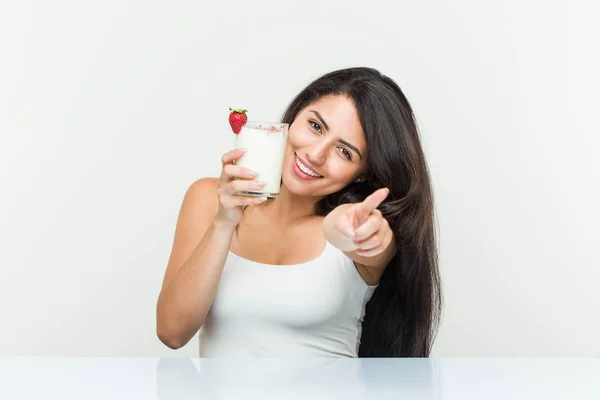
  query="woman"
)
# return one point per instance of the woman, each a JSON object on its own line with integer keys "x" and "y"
{"x": 341, "y": 265}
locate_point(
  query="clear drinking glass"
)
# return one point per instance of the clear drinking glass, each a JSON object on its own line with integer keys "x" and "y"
{"x": 265, "y": 146}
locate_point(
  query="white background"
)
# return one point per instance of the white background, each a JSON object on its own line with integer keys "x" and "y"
{"x": 110, "y": 110}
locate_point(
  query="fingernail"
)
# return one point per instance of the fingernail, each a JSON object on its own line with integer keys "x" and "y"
{"x": 263, "y": 199}
{"x": 254, "y": 174}
{"x": 348, "y": 232}
{"x": 261, "y": 184}
{"x": 242, "y": 150}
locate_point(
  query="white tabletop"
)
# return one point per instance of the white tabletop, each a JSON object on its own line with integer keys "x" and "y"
{"x": 147, "y": 378}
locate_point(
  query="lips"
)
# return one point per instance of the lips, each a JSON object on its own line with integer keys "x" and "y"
{"x": 305, "y": 171}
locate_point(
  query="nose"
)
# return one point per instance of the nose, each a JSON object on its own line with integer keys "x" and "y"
{"x": 317, "y": 153}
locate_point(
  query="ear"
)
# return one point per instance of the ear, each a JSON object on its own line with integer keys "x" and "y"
{"x": 364, "y": 175}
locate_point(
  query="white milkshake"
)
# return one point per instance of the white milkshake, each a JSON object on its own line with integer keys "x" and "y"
{"x": 265, "y": 146}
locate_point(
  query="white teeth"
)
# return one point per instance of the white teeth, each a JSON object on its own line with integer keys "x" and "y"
{"x": 305, "y": 169}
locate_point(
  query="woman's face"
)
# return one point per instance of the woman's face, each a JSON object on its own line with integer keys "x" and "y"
{"x": 326, "y": 148}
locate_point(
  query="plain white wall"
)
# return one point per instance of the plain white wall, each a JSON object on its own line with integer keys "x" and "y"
{"x": 109, "y": 110}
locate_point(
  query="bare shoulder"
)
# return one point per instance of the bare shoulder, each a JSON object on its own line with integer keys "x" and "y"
{"x": 205, "y": 185}
{"x": 204, "y": 189}
{"x": 199, "y": 206}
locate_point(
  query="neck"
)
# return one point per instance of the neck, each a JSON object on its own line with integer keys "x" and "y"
{"x": 288, "y": 206}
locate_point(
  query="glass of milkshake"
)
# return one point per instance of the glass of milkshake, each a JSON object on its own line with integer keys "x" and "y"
{"x": 265, "y": 146}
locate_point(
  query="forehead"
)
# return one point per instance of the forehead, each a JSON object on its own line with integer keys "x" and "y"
{"x": 340, "y": 114}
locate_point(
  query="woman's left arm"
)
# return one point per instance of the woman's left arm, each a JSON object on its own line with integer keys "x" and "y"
{"x": 361, "y": 231}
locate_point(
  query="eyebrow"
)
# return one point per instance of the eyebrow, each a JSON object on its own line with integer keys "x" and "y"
{"x": 351, "y": 146}
{"x": 322, "y": 121}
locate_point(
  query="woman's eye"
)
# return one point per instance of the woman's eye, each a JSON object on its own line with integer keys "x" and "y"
{"x": 346, "y": 153}
{"x": 316, "y": 126}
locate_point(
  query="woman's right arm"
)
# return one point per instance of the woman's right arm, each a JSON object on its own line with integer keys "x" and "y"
{"x": 209, "y": 215}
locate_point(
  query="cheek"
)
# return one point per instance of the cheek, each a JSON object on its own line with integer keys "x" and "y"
{"x": 299, "y": 137}
{"x": 340, "y": 169}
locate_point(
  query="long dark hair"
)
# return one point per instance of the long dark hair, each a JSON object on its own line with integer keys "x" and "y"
{"x": 402, "y": 316}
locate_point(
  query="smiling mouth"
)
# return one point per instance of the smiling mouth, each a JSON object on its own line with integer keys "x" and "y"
{"x": 305, "y": 169}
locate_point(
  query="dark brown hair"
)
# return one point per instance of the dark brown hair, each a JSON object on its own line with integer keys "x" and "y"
{"x": 402, "y": 316}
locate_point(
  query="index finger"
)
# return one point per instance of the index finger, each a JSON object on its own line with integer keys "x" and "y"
{"x": 374, "y": 200}
{"x": 232, "y": 155}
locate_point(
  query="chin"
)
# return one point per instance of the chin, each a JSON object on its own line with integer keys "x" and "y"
{"x": 306, "y": 188}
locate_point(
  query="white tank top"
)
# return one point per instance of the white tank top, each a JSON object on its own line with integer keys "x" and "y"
{"x": 313, "y": 309}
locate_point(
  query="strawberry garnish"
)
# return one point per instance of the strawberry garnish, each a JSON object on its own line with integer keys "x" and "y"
{"x": 237, "y": 119}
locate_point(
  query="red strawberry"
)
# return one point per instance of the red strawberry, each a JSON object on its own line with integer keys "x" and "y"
{"x": 237, "y": 119}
